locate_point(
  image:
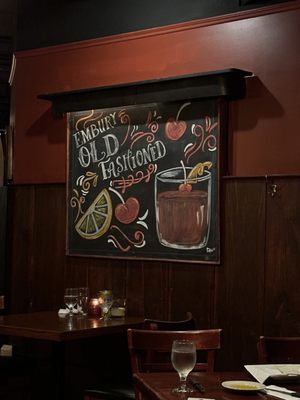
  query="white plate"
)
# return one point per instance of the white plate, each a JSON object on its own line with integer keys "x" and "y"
{"x": 243, "y": 386}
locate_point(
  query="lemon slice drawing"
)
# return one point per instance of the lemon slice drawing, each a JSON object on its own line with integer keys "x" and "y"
{"x": 198, "y": 171}
{"x": 96, "y": 220}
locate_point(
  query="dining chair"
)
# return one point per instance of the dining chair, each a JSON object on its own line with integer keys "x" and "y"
{"x": 159, "y": 344}
{"x": 278, "y": 350}
{"x": 189, "y": 323}
{"x": 126, "y": 392}
{"x": 150, "y": 350}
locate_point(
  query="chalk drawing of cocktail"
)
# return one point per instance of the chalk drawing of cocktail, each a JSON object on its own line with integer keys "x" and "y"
{"x": 183, "y": 207}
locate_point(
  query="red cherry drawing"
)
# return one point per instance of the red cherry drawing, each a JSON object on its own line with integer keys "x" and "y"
{"x": 175, "y": 129}
{"x": 185, "y": 187}
{"x": 127, "y": 212}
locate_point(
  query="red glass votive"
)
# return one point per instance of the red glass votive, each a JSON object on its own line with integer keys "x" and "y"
{"x": 94, "y": 309}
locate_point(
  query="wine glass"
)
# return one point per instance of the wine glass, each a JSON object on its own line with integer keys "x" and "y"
{"x": 83, "y": 298}
{"x": 106, "y": 301}
{"x": 70, "y": 299}
{"x": 183, "y": 359}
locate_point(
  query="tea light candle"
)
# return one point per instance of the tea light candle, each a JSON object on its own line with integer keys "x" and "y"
{"x": 94, "y": 309}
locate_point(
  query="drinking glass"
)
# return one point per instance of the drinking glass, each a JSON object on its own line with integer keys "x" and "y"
{"x": 106, "y": 301}
{"x": 70, "y": 299}
{"x": 118, "y": 308}
{"x": 83, "y": 299}
{"x": 182, "y": 215}
{"x": 183, "y": 359}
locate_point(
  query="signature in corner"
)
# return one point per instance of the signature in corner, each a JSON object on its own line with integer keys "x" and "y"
{"x": 209, "y": 250}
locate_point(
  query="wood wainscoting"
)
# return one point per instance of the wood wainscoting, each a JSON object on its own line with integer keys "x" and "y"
{"x": 253, "y": 291}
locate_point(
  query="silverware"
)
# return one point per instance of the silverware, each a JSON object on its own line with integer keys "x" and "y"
{"x": 197, "y": 385}
{"x": 294, "y": 394}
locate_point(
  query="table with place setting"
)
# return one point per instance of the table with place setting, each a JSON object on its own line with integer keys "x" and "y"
{"x": 212, "y": 386}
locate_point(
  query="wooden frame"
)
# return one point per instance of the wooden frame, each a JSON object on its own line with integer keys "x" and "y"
{"x": 143, "y": 181}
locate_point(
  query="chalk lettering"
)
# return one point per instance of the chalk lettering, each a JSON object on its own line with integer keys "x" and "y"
{"x": 89, "y": 154}
{"x": 113, "y": 168}
{"x": 111, "y": 140}
{"x": 83, "y": 136}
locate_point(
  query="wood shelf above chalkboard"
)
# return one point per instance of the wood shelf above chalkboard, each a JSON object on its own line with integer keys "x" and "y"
{"x": 229, "y": 83}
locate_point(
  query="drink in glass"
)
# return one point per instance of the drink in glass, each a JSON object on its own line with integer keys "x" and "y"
{"x": 71, "y": 299}
{"x": 183, "y": 359}
{"x": 182, "y": 208}
{"x": 106, "y": 301}
{"x": 83, "y": 300}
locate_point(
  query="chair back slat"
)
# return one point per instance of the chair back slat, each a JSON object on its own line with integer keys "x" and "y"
{"x": 278, "y": 350}
{"x": 151, "y": 350}
{"x": 184, "y": 325}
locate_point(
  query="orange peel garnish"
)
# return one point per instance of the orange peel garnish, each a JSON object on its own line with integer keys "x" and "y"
{"x": 198, "y": 171}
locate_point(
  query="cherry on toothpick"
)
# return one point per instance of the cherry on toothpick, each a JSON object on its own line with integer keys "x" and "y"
{"x": 185, "y": 187}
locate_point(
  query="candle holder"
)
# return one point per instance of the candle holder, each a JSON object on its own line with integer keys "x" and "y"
{"x": 94, "y": 308}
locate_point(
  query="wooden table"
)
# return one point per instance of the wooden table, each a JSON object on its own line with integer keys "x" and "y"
{"x": 158, "y": 386}
{"x": 49, "y": 326}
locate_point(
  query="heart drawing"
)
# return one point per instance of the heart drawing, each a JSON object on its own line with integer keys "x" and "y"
{"x": 127, "y": 212}
{"x": 175, "y": 129}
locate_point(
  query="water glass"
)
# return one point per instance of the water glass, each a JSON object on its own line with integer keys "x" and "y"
{"x": 71, "y": 299}
{"x": 183, "y": 359}
{"x": 83, "y": 300}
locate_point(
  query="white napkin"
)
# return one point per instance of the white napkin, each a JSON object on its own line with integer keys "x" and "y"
{"x": 198, "y": 398}
{"x": 63, "y": 311}
{"x": 283, "y": 396}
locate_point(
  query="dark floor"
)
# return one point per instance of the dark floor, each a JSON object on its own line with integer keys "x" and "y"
{"x": 32, "y": 373}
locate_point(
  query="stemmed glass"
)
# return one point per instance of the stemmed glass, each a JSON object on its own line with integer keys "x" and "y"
{"x": 70, "y": 299}
{"x": 83, "y": 298}
{"x": 183, "y": 359}
{"x": 106, "y": 301}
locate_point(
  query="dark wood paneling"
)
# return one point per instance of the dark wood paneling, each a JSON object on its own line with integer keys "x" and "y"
{"x": 21, "y": 203}
{"x": 3, "y": 213}
{"x": 240, "y": 277}
{"x": 37, "y": 218}
{"x": 282, "y": 300}
{"x": 47, "y": 257}
{"x": 253, "y": 291}
{"x": 156, "y": 289}
{"x": 135, "y": 287}
{"x": 192, "y": 287}
{"x": 103, "y": 273}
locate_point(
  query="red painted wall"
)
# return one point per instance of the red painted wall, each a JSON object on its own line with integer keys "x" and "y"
{"x": 264, "y": 134}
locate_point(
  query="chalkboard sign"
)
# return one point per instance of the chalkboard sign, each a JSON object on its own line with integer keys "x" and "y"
{"x": 143, "y": 181}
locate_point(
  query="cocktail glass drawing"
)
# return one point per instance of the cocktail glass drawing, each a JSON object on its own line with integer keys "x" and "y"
{"x": 182, "y": 208}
